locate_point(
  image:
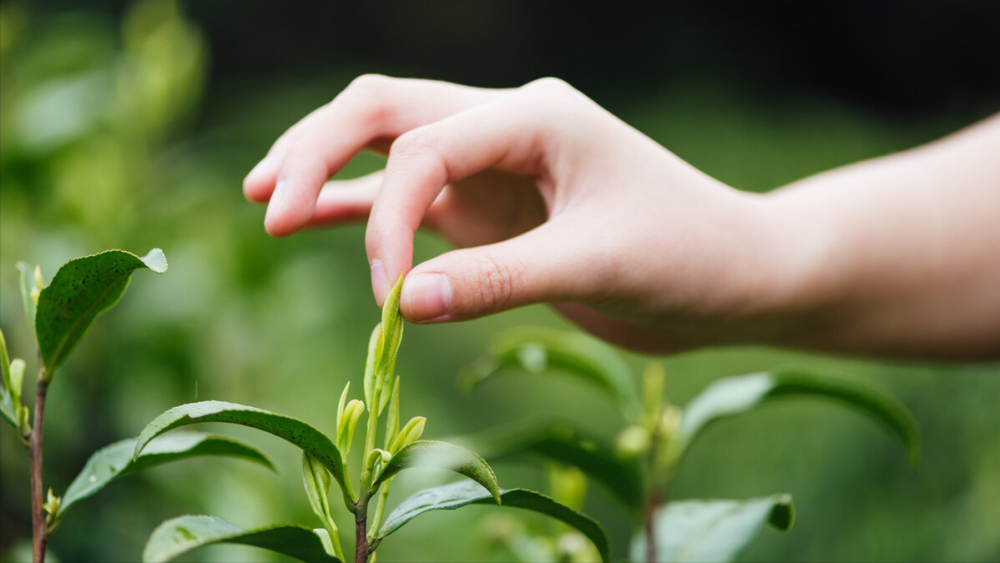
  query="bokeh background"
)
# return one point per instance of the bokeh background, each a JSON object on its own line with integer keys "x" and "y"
{"x": 131, "y": 124}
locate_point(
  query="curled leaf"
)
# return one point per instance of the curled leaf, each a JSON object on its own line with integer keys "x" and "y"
{"x": 540, "y": 350}
{"x": 342, "y": 403}
{"x": 442, "y": 455}
{"x": 81, "y": 290}
{"x": 348, "y": 423}
{"x": 734, "y": 395}
{"x": 409, "y": 434}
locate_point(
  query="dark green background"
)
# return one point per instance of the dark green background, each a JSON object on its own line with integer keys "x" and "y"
{"x": 130, "y": 126}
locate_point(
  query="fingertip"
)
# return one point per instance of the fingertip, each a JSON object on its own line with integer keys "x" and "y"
{"x": 259, "y": 182}
{"x": 380, "y": 282}
{"x": 288, "y": 210}
{"x": 426, "y": 297}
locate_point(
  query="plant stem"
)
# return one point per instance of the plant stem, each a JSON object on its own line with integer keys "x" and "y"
{"x": 361, "y": 535}
{"x": 383, "y": 496}
{"x": 652, "y": 503}
{"x": 35, "y": 449}
{"x": 370, "y": 434}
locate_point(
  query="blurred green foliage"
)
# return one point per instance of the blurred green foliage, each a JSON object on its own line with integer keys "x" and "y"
{"x": 112, "y": 135}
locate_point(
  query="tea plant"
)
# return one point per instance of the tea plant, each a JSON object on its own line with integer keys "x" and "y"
{"x": 324, "y": 461}
{"x": 638, "y": 466}
{"x": 61, "y": 313}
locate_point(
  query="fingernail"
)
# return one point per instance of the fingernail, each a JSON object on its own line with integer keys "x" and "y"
{"x": 380, "y": 284}
{"x": 427, "y": 296}
{"x": 277, "y": 204}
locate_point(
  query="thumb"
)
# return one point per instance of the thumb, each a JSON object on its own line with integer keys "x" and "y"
{"x": 469, "y": 283}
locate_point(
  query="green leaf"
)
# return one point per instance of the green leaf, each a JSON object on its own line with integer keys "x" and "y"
{"x": 463, "y": 493}
{"x": 287, "y": 428}
{"x": 7, "y": 409}
{"x": 4, "y": 361}
{"x": 392, "y": 419}
{"x": 16, "y": 381}
{"x": 409, "y": 434}
{"x": 442, "y": 455}
{"x": 13, "y": 375}
{"x": 539, "y": 350}
{"x": 712, "y": 530}
{"x": 563, "y": 443}
{"x": 347, "y": 424}
{"x": 114, "y": 461}
{"x": 316, "y": 480}
{"x": 734, "y": 395}
{"x": 388, "y": 344}
{"x": 369, "y": 379}
{"x": 184, "y": 533}
{"x": 26, "y": 300}
{"x": 80, "y": 291}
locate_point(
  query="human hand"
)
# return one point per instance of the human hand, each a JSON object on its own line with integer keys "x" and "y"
{"x": 551, "y": 198}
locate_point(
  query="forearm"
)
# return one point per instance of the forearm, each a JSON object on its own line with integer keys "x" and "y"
{"x": 898, "y": 255}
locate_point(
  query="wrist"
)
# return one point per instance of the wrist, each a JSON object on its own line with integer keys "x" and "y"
{"x": 799, "y": 279}
{"x": 779, "y": 275}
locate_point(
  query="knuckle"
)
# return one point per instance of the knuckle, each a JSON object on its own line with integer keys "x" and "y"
{"x": 550, "y": 85}
{"x": 498, "y": 280}
{"x": 549, "y": 96}
{"x": 366, "y": 96}
{"x": 368, "y": 83}
{"x": 413, "y": 142}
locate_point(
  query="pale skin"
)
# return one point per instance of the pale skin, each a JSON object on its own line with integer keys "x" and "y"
{"x": 551, "y": 199}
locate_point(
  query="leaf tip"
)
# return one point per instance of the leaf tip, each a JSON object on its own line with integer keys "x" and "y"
{"x": 782, "y": 514}
{"x": 155, "y": 260}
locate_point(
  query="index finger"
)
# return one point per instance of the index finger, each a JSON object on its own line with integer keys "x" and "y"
{"x": 372, "y": 108}
{"x": 507, "y": 135}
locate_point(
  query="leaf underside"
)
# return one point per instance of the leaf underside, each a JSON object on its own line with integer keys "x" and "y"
{"x": 563, "y": 443}
{"x": 6, "y": 403}
{"x": 442, "y": 455}
{"x": 734, "y": 395}
{"x": 287, "y": 428}
{"x": 115, "y": 461}
{"x": 184, "y": 533}
{"x": 81, "y": 290}
{"x": 463, "y": 493}
{"x": 541, "y": 350}
{"x": 7, "y": 408}
{"x": 712, "y": 530}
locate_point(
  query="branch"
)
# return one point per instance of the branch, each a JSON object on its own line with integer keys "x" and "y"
{"x": 39, "y": 534}
{"x": 361, "y": 536}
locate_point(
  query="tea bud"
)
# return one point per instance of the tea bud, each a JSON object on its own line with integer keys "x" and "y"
{"x": 345, "y": 432}
{"x": 670, "y": 422}
{"x": 409, "y": 434}
{"x": 632, "y": 441}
